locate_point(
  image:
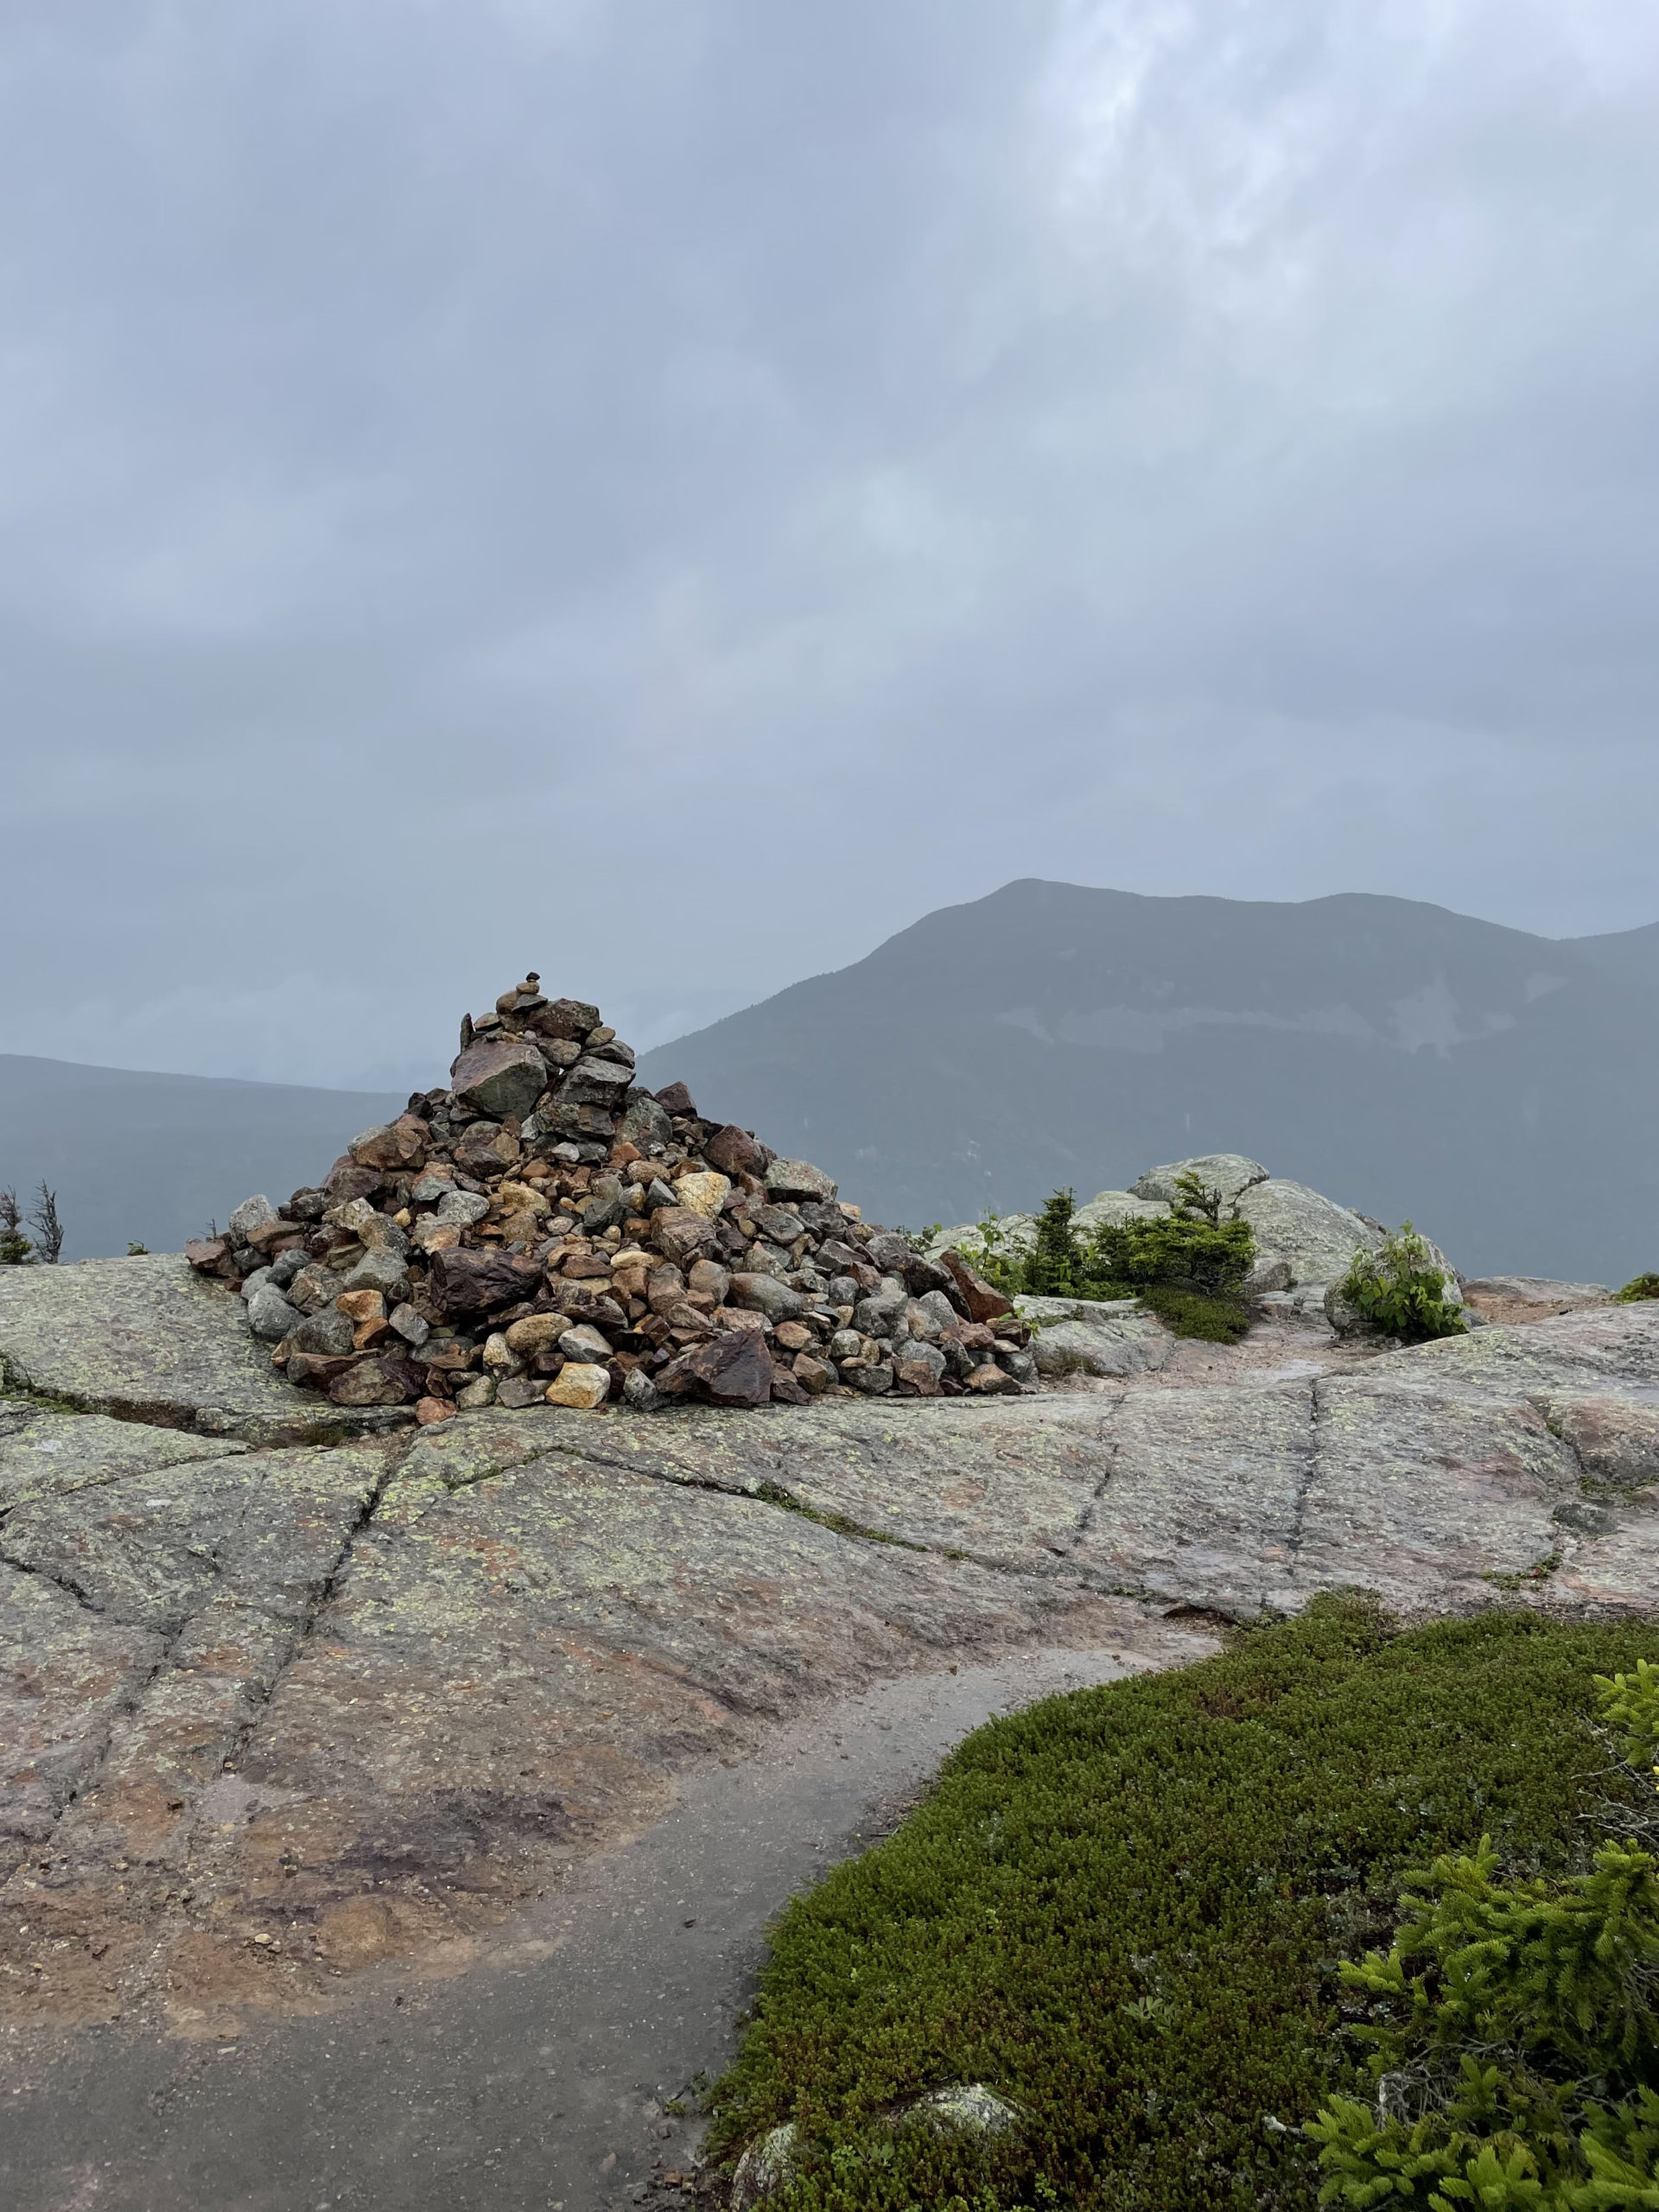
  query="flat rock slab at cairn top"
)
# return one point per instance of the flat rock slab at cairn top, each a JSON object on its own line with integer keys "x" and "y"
{"x": 272, "y": 1713}
{"x": 145, "y": 1339}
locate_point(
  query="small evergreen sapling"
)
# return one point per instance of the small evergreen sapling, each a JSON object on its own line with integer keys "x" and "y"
{"x": 16, "y": 1250}
{"x": 1516, "y": 2070}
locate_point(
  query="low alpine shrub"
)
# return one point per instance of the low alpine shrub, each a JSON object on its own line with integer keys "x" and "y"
{"x": 1123, "y": 1910}
{"x": 1189, "y": 1268}
{"x": 1633, "y": 1293}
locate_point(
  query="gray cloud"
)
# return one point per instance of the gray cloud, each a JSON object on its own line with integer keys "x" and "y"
{"x": 673, "y": 495}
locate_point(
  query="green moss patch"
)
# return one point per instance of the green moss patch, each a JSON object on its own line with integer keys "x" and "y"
{"x": 1123, "y": 1910}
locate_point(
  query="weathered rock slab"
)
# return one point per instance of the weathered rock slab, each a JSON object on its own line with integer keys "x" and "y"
{"x": 362, "y": 1700}
{"x": 1530, "y": 1297}
{"x": 145, "y": 1340}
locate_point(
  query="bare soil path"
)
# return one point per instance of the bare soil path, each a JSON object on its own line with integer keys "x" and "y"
{"x": 538, "y": 2076}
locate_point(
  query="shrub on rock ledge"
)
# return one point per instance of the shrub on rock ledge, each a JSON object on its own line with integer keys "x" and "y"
{"x": 1188, "y": 1267}
{"x": 1404, "y": 1291}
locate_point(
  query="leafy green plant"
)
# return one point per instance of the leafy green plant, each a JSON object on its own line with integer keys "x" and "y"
{"x": 920, "y": 1239}
{"x": 1514, "y": 2060}
{"x": 135, "y": 1250}
{"x": 1121, "y": 1911}
{"x": 1633, "y": 1293}
{"x": 1401, "y": 1288}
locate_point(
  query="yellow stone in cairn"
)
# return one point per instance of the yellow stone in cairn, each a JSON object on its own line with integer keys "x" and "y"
{"x": 519, "y": 1197}
{"x": 581, "y": 1386}
{"x": 705, "y": 1193}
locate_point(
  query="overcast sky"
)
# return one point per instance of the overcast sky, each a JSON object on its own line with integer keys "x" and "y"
{"x": 671, "y": 493}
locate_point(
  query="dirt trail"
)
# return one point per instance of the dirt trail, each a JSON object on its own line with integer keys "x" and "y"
{"x": 537, "y": 2079}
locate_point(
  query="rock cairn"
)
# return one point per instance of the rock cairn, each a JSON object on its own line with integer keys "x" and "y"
{"x": 548, "y": 1231}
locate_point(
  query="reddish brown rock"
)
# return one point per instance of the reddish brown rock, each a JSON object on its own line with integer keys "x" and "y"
{"x": 734, "y": 1151}
{"x": 582, "y": 1266}
{"x": 983, "y": 1303}
{"x": 476, "y": 1282}
{"x": 204, "y": 1253}
{"x": 372, "y": 1383}
{"x": 787, "y": 1390}
{"x": 682, "y": 1235}
{"x": 486, "y": 1148}
{"x": 400, "y": 1144}
{"x": 349, "y": 1180}
{"x": 675, "y": 1100}
{"x": 316, "y": 1370}
{"x": 729, "y": 1370}
{"x": 814, "y": 1374}
{"x": 992, "y": 1381}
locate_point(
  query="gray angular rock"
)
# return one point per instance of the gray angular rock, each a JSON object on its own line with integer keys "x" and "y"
{"x": 918, "y": 1352}
{"x": 876, "y": 1315}
{"x": 766, "y": 2167}
{"x": 584, "y": 1343}
{"x": 644, "y": 1124}
{"x": 270, "y": 1317}
{"x": 1229, "y": 1172}
{"x": 596, "y": 1082}
{"x": 500, "y": 1077}
{"x": 798, "y": 1179}
{"x": 384, "y": 1270}
{"x": 411, "y": 1326}
{"x": 966, "y": 2108}
{"x": 1299, "y": 1231}
{"x": 328, "y": 1331}
{"x": 1111, "y": 1209}
{"x": 874, "y": 1381}
{"x": 252, "y": 1214}
{"x": 764, "y": 1293}
{"x": 1080, "y": 1335}
{"x": 640, "y": 1393}
{"x": 460, "y": 1209}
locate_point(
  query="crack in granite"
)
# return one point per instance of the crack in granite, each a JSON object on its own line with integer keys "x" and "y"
{"x": 69, "y": 1588}
{"x": 1316, "y": 1413}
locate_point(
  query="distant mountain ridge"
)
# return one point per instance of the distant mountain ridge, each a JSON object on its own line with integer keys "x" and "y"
{"x": 1498, "y": 1086}
{"x": 144, "y": 1158}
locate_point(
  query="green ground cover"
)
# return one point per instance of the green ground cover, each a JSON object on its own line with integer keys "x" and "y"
{"x": 1125, "y": 1911}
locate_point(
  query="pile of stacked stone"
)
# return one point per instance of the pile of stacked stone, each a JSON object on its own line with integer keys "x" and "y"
{"x": 548, "y": 1231}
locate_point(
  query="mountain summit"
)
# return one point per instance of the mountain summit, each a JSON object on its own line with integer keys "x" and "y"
{"x": 1500, "y": 1088}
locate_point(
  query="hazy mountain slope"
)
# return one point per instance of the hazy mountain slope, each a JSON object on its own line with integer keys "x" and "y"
{"x": 1632, "y": 955}
{"x": 150, "y": 1157}
{"x": 1499, "y": 1087}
